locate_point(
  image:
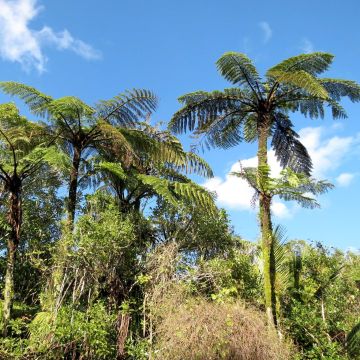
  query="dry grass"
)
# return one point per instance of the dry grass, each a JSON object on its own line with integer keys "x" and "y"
{"x": 202, "y": 330}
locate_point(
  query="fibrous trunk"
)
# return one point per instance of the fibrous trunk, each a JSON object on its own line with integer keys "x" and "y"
{"x": 72, "y": 199}
{"x": 267, "y": 242}
{"x": 14, "y": 220}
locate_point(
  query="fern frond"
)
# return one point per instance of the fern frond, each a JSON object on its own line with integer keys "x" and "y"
{"x": 301, "y": 79}
{"x": 128, "y": 108}
{"x": 281, "y": 255}
{"x": 197, "y": 165}
{"x": 173, "y": 191}
{"x": 314, "y": 64}
{"x": 36, "y": 100}
{"x": 238, "y": 69}
{"x": 201, "y": 112}
{"x": 338, "y": 88}
{"x": 70, "y": 107}
{"x": 289, "y": 151}
{"x": 298, "y": 187}
{"x": 113, "y": 168}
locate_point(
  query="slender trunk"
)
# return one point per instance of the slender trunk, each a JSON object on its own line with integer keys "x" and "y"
{"x": 267, "y": 242}
{"x": 56, "y": 287}
{"x": 74, "y": 174}
{"x": 14, "y": 220}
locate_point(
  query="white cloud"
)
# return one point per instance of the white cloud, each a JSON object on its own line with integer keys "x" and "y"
{"x": 19, "y": 43}
{"x": 327, "y": 155}
{"x": 307, "y": 46}
{"x": 267, "y": 31}
{"x": 345, "y": 179}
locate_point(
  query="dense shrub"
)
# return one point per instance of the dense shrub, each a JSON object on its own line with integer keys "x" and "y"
{"x": 199, "y": 330}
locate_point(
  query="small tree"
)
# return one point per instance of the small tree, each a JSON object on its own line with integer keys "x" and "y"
{"x": 23, "y": 150}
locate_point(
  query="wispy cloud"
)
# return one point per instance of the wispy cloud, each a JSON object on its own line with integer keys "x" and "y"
{"x": 307, "y": 46}
{"x": 327, "y": 154}
{"x": 267, "y": 31}
{"x": 22, "y": 44}
{"x": 345, "y": 179}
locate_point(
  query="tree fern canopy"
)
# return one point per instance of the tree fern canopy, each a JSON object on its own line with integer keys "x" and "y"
{"x": 226, "y": 118}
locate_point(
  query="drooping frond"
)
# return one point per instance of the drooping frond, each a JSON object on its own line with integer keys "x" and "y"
{"x": 289, "y": 151}
{"x": 250, "y": 133}
{"x": 173, "y": 191}
{"x": 225, "y": 131}
{"x": 155, "y": 148}
{"x": 36, "y": 100}
{"x": 200, "y": 111}
{"x": 41, "y": 154}
{"x": 239, "y": 69}
{"x": 308, "y": 105}
{"x": 113, "y": 168}
{"x": 128, "y": 108}
{"x": 299, "y": 187}
{"x": 197, "y": 165}
{"x": 313, "y": 63}
{"x": 281, "y": 259}
{"x": 338, "y": 88}
{"x": 195, "y": 193}
{"x": 115, "y": 143}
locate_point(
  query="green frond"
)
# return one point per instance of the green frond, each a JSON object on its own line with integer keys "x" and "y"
{"x": 51, "y": 155}
{"x": 281, "y": 255}
{"x": 173, "y": 191}
{"x": 117, "y": 144}
{"x": 314, "y": 64}
{"x": 250, "y": 132}
{"x": 308, "y": 106}
{"x": 161, "y": 187}
{"x": 196, "y": 194}
{"x": 338, "y": 112}
{"x": 71, "y": 108}
{"x": 197, "y": 165}
{"x": 155, "y": 148}
{"x": 36, "y": 100}
{"x": 238, "y": 69}
{"x": 300, "y": 79}
{"x": 289, "y": 151}
{"x": 299, "y": 187}
{"x": 193, "y": 97}
{"x": 113, "y": 168}
{"x": 338, "y": 88}
{"x": 127, "y": 108}
{"x": 171, "y": 173}
{"x": 204, "y": 110}
{"x": 225, "y": 131}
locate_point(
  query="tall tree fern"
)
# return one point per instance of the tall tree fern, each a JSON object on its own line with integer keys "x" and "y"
{"x": 258, "y": 109}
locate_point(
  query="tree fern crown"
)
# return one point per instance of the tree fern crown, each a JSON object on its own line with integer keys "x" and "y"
{"x": 226, "y": 118}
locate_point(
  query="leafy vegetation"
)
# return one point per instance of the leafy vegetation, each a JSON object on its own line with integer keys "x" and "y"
{"x": 110, "y": 249}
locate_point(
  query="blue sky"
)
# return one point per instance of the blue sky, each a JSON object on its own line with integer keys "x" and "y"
{"x": 95, "y": 50}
